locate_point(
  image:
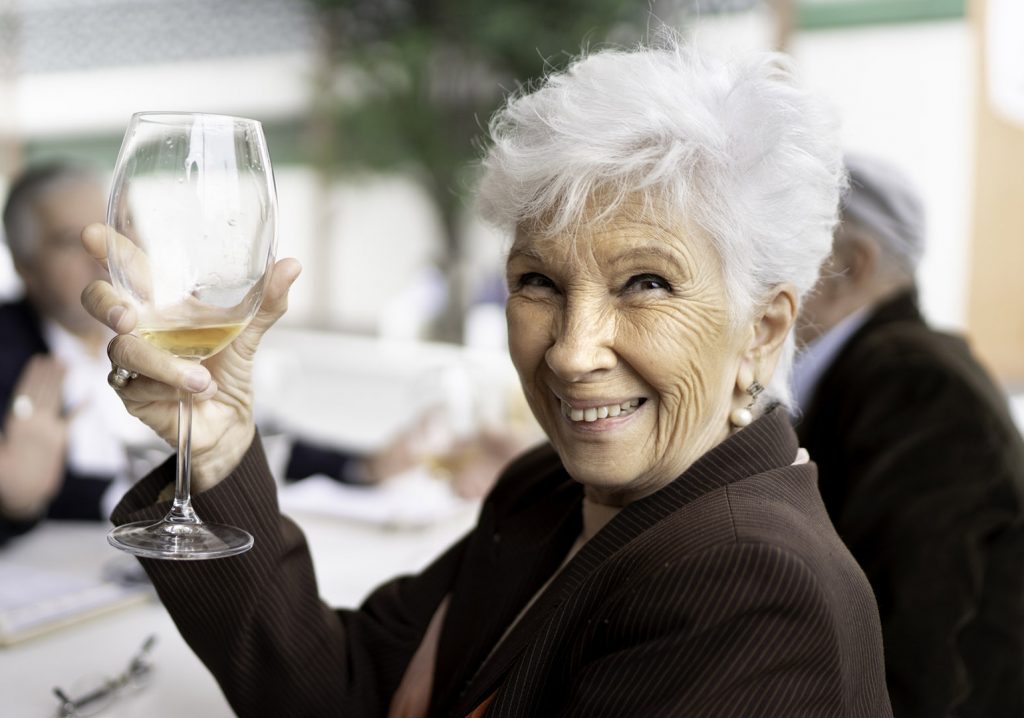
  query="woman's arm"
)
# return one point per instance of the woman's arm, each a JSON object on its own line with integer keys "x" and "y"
{"x": 257, "y": 622}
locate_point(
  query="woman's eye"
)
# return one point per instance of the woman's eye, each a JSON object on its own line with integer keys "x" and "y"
{"x": 647, "y": 283}
{"x": 533, "y": 279}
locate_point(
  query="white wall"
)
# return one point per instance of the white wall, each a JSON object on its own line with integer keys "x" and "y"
{"x": 68, "y": 103}
{"x": 906, "y": 93}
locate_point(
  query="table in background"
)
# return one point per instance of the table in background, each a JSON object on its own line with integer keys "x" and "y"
{"x": 350, "y": 559}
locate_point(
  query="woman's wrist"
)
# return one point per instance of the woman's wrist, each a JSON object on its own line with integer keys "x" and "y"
{"x": 216, "y": 464}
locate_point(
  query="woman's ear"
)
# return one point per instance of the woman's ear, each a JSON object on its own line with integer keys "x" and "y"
{"x": 770, "y": 328}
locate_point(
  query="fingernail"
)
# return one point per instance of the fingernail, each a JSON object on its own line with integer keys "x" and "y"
{"x": 196, "y": 379}
{"x": 114, "y": 316}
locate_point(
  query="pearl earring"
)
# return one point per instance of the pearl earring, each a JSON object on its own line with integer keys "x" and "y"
{"x": 744, "y": 415}
{"x": 741, "y": 417}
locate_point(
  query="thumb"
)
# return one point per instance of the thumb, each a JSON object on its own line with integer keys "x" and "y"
{"x": 275, "y": 300}
{"x": 275, "y": 296}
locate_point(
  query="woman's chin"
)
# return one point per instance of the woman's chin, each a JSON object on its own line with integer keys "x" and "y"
{"x": 606, "y": 477}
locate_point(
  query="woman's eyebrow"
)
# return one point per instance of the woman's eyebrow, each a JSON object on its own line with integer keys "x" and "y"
{"x": 638, "y": 255}
{"x": 526, "y": 253}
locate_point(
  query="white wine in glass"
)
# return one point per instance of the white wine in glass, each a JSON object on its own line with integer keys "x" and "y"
{"x": 192, "y": 229}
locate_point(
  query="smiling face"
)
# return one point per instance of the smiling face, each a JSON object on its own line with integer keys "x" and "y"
{"x": 624, "y": 349}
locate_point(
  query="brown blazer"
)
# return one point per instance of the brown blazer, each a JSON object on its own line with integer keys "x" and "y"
{"x": 727, "y": 593}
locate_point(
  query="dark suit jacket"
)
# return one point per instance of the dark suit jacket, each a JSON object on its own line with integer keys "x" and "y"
{"x": 21, "y": 337}
{"x": 80, "y": 495}
{"x": 922, "y": 472}
{"x": 727, "y": 593}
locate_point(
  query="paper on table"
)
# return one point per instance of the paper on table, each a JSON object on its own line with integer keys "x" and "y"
{"x": 409, "y": 500}
{"x": 35, "y": 600}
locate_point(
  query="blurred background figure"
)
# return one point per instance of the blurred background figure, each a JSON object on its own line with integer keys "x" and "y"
{"x": 921, "y": 466}
{"x": 63, "y": 452}
{"x": 68, "y": 450}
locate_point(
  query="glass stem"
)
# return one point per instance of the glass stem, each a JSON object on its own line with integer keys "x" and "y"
{"x": 181, "y": 510}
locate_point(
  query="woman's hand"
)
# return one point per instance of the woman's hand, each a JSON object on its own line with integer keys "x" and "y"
{"x": 222, "y": 420}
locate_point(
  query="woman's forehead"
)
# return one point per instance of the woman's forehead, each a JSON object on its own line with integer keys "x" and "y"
{"x": 623, "y": 233}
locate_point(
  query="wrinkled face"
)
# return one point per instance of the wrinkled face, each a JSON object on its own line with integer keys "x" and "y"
{"x": 60, "y": 268}
{"x": 624, "y": 349}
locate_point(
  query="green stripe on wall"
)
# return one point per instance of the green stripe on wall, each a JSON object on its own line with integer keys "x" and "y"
{"x": 822, "y": 14}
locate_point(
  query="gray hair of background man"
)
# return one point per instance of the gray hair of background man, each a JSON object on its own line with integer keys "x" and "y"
{"x": 883, "y": 202}
{"x": 19, "y": 210}
{"x": 734, "y": 149}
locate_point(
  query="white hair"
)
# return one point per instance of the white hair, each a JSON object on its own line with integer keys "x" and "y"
{"x": 735, "y": 149}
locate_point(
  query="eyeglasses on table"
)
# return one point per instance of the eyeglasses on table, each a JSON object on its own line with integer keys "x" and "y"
{"x": 100, "y": 694}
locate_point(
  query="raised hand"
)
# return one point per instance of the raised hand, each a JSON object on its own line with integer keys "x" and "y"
{"x": 222, "y": 425}
{"x": 35, "y": 435}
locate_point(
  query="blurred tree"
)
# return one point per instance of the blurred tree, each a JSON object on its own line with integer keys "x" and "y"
{"x": 409, "y": 85}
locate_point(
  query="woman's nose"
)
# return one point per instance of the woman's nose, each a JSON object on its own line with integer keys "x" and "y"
{"x": 583, "y": 344}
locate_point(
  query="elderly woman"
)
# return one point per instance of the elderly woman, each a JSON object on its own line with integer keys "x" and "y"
{"x": 667, "y": 553}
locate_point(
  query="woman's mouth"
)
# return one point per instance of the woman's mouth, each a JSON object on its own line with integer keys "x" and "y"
{"x": 594, "y": 413}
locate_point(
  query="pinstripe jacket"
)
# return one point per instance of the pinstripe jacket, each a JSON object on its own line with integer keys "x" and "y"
{"x": 727, "y": 593}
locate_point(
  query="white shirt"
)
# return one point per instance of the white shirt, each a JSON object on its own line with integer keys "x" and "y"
{"x": 102, "y": 435}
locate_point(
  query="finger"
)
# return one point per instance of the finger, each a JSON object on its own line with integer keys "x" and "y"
{"x": 104, "y": 303}
{"x": 136, "y": 354}
{"x": 143, "y": 390}
{"x": 41, "y": 381}
{"x": 106, "y": 245}
{"x": 94, "y": 239}
{"x": 48, "y": 381}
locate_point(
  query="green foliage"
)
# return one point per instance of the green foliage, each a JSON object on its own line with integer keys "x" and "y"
{"x": 409, "y": 85}
{"x": 417, "y": 80}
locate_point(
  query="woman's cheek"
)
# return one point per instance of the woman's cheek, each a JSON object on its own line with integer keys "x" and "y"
{"x": 528, "y": 333}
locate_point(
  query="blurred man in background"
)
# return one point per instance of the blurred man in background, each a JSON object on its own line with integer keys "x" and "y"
{"x": 68, "y": 449}
{"x": 64, "y": 434}
{"x": 921, "y": 465}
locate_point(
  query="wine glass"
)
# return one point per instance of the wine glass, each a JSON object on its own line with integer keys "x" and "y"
{"x": 192, "y": 228}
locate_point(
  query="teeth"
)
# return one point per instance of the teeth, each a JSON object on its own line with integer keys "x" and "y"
{"x": 599, "y": 412}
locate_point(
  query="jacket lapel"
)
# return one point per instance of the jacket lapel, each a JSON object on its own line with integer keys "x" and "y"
{"x": 512, "y": 554}
{"x": 766, "y": 444}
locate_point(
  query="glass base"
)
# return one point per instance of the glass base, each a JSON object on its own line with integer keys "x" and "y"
{"x": 181, "y": 541}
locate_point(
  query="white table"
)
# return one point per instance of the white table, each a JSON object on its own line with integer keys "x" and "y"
{"x": 350, "y": 559}
{"x": 354, "y": 391}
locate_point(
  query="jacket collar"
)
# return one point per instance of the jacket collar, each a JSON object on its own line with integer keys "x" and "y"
{"x": 900, "y": 308}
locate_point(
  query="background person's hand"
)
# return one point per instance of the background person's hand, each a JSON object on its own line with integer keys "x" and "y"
{"x": 476, "y": 462}
{"x": 222, "y": 421}
{"x": 35, "y": 435}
